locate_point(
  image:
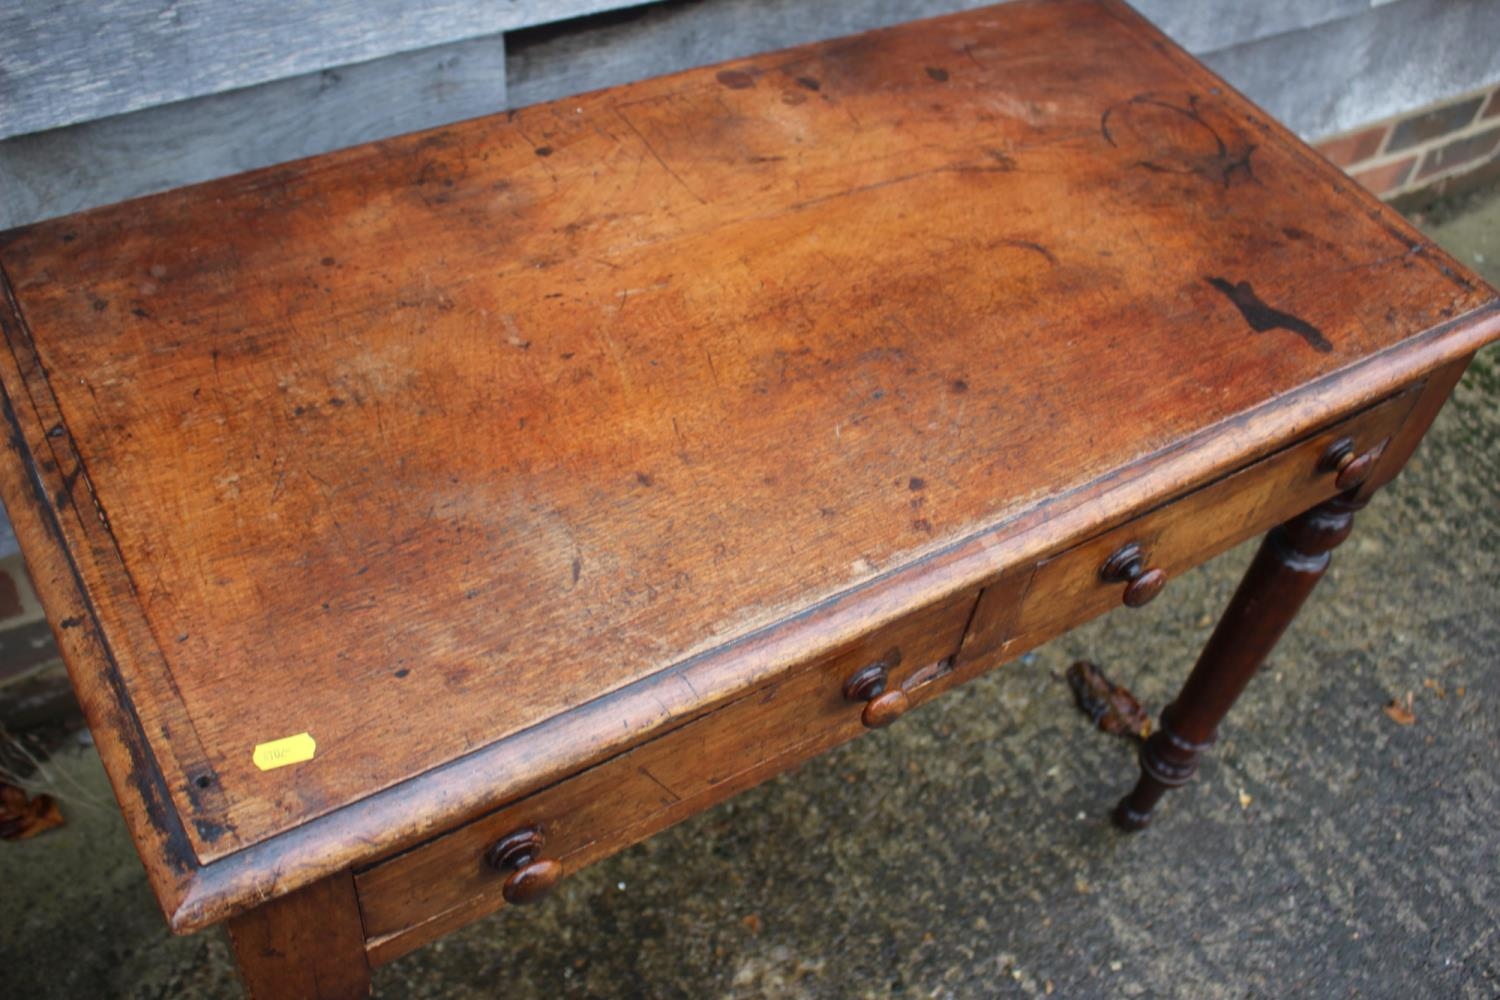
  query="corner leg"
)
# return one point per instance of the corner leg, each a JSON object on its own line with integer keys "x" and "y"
{"x": 308, "y": 944}
{"x": 1288, "y": 565}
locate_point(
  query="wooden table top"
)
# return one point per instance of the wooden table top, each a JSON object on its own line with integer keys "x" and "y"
{"x": 477, "y": 453}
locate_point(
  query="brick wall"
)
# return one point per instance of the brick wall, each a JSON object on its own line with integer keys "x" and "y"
{"x": 1427, "y": 150}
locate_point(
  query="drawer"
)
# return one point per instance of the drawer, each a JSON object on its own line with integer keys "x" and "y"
{"x": 1073, "y": 586}
{"x": 444, "y": 883}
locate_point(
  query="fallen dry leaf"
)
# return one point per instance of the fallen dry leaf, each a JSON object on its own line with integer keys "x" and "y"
{"x": 1400, "y": 711}
{"x": 22, "y": 816}
{"x": 1112, "y": 707}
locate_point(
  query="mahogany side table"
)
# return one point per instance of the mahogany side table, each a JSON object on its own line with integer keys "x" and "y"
{"x": 428, "y": 520}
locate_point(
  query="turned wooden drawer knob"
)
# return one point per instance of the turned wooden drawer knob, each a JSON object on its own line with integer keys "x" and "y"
{"x": 882, "y": 707}
{"x": 1128, "y": 566}
{"x": 530, "y": 876}
{"x": 1349, "y": 469}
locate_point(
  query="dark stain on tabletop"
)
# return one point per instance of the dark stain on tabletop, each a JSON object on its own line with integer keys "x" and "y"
{"x": 1185, "y": 139}
{"x": 735, "y": 79}
{"x": 69, "y": 480}
{"x": 1003, "y": 159}
{"x": 1262, "y": 317}
{"x": 210, "y": 831}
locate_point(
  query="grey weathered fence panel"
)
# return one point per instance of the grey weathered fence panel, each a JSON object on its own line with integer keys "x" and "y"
{"x": 67, "y": 61}
{"x": 671, "y": 37}
{"x": 1389, "y": 60}
{"x": 1203, "y": 26}
{"x": 64, "y": 170}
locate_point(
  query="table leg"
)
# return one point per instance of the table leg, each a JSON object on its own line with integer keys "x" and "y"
{"x": 308, "y": 944}
{"x": 1290, "y": 562}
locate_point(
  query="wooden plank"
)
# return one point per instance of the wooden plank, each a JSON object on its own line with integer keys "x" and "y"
{"x": 541, "y": 432}
{"x": 554, "y": 61}
{"x": 1206, "y": 27}
{"x": 96, "y": 163}
{"x": 591, "y": 816}
{"x": 78, "y": 60}
{"x": 1350, "y": 72}
{"x": 551, "y": 61}
{"x": 309, "y": 945}
{"x": 1067, "y": 589}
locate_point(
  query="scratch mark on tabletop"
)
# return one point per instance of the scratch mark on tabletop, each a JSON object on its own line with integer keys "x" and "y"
{"x": 1029, "y": 245}
{"x": 1004, "y": 159}
{"x": 1149, "y": 247}
{"x": 950, "y": 168}
{"x": 512, "y": 332}
{"x": 712, "y": 371}
{"x": 673, "y": 796}
{"x": 1262, "y": 317}
{"x": 657, "y": 157}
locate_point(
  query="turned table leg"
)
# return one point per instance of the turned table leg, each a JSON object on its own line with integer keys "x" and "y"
{"x": 1289, "y": 563}
{"x": 308, "y": 945}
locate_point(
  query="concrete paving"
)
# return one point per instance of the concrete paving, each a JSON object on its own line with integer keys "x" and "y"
{"x": 1325, "y": 850}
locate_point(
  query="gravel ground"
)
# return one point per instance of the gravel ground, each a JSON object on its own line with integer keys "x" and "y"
{"x": 1324, "y": 851}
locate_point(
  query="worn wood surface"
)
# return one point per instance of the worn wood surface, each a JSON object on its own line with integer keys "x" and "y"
{"x": 1066, "y": 589}
{"x": 1435, "y": 392}
{"x": 605, "y": 809}
{"x": 309, "y": 945}
{"x": 483, "y": 454}
{"x": 436, "y": 887}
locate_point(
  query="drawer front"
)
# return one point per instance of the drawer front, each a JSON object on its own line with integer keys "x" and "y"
{"x": 1071, "y": 587}
{"x": 446, "y": 882}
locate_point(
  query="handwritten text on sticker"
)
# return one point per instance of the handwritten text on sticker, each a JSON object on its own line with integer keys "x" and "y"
{"x": 287, "y": 750}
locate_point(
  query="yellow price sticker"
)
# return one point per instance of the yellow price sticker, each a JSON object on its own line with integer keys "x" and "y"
{"x": 287, "y": 750}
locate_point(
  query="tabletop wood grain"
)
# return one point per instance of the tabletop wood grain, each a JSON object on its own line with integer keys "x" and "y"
{"x": 473, "y": 442}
